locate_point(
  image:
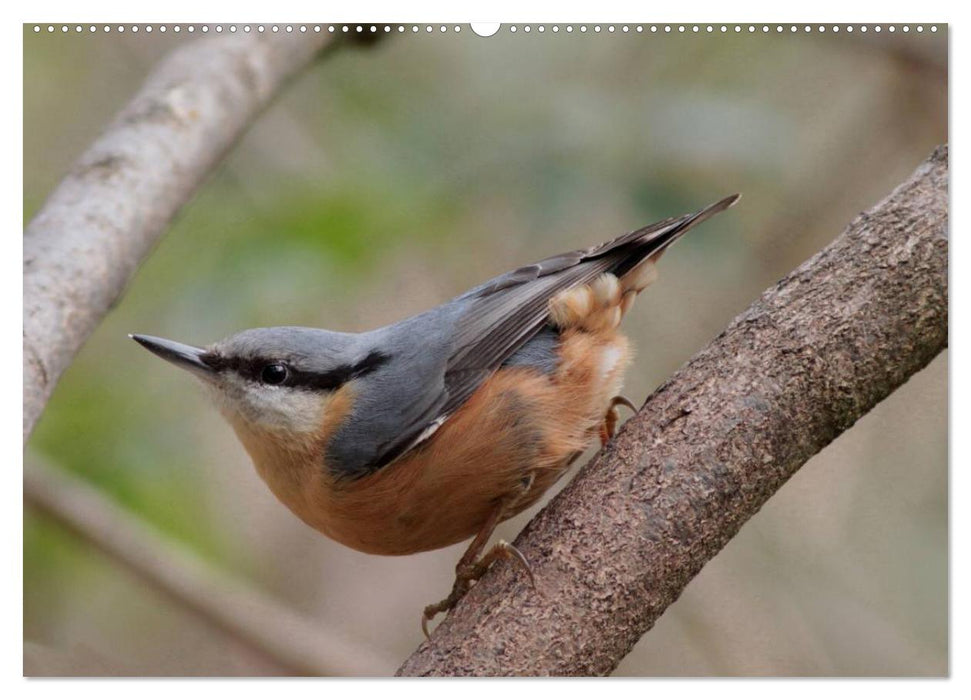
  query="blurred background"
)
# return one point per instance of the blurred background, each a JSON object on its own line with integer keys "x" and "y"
{"x": 385, "y": 180}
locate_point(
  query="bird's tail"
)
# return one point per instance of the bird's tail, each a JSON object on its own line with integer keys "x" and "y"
{"x": 645, "y": 256}
{"x": 602, "y": 303}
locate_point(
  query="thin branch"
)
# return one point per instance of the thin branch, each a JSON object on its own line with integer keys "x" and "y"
{"x": 253, "y": 619}
{"x": 94, "y": 230}
{"x": 815, "y": 353}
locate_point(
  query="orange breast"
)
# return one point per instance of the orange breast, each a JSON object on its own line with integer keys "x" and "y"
{"x": 520, "y": 426}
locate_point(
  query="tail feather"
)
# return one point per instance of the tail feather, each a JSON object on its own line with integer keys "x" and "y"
{"x": 603, "y": 302}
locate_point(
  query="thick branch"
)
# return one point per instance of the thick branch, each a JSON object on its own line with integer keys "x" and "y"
{"x": 801, "y": 365}
{"x": 253, "y": 619}
{"x": 103, "y": 219}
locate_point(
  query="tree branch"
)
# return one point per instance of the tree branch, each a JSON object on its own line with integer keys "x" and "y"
{"x": 253, "y": 619}
{"x": 815, "y": 353}
{"x": 93, "y": 231}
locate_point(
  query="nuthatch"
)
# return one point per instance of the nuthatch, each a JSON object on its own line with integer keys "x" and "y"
{"x": 431, "y": 430}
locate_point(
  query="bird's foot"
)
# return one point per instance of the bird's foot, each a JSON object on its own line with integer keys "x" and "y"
{"x": 609, "y": 426}
{"x": 467, "y": 574}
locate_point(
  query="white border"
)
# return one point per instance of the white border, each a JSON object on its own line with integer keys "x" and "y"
{"x": 451, "y": 12}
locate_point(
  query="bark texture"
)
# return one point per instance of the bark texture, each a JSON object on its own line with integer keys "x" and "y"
{"x": 810, "y": 357}
{"x": 104, "y": 217}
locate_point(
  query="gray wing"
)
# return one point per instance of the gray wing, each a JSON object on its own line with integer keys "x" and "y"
{"x": 506, "y": 312}
{"x": 483, "y": 328}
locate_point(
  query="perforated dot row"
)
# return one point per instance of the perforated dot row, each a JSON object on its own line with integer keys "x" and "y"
{"x": 722, "y": 28}
{"x": 526, "y": 28}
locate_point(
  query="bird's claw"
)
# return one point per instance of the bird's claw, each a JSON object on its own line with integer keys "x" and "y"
{"x": 465, "y": 576}
{"x": 623, "y": 401}
{"x": 608, "y": 428}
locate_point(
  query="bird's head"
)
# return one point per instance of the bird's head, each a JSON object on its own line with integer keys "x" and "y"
{"x": 277, "y": 380}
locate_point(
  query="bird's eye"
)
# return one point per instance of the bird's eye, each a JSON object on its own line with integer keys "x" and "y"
{"x": 276, "y": 373}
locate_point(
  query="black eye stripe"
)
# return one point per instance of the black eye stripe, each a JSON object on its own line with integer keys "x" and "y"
{"x": 252, "y": 368}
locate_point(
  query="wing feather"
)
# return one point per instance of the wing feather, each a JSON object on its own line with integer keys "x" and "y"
{"x": 507, "y": 311}
{"x": 501, "y": 315}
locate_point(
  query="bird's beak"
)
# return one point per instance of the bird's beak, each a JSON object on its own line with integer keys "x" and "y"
{"x": 179, "y": 354}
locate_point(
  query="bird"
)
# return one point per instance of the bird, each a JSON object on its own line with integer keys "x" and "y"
{"x": 437, "y": 428}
